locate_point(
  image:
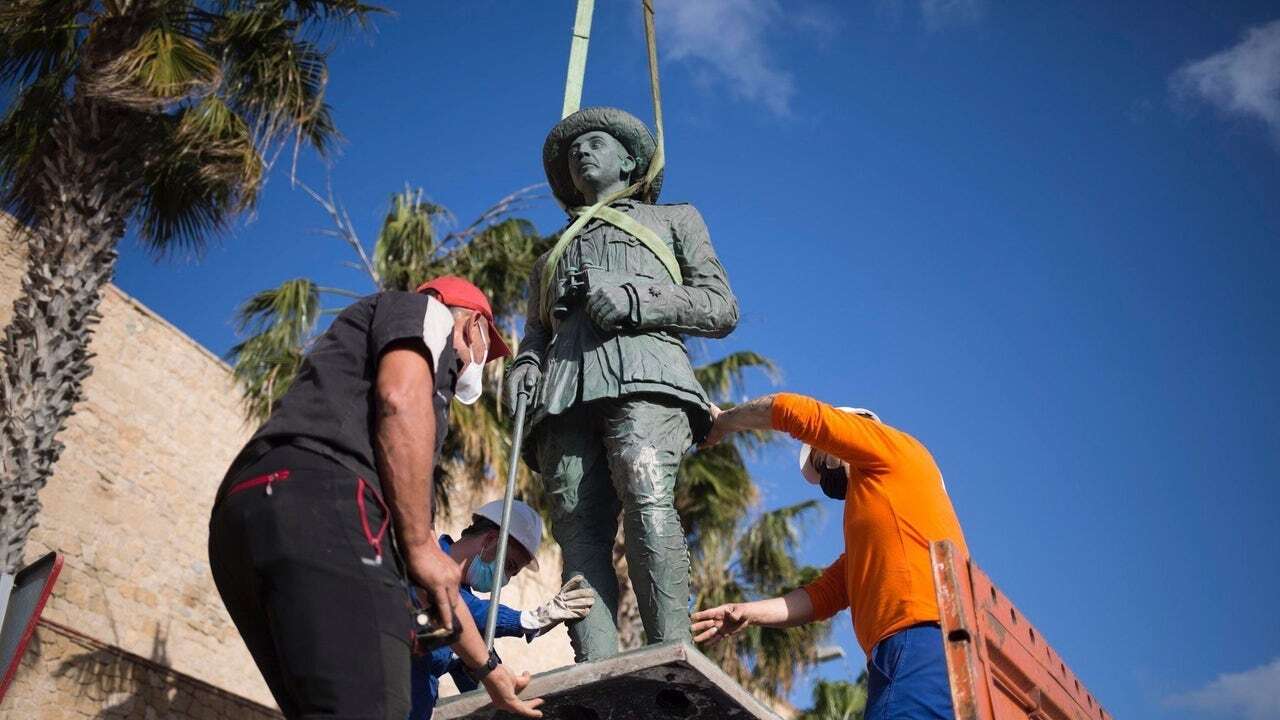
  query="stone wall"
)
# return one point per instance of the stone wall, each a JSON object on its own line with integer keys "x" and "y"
{"x": 129, "y": 500}
{"x": 67, "y": 675}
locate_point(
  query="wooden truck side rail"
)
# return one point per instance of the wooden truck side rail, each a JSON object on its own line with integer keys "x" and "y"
{"x": 1001, "y": 667}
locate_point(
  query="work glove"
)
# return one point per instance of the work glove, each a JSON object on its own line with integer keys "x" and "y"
{"x": 613, "y": 307}
{"x": 524, "y": 374}
{"x": 573, "y": 602}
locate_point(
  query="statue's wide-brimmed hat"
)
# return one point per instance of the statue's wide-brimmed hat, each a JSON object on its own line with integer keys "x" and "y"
{"x": 622, "y": 125}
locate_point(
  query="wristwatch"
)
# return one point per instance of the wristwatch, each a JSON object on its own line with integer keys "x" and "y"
{"x": 482, "y": 672}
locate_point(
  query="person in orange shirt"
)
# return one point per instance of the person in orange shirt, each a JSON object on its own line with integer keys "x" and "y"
{"x": 895, "y": 505}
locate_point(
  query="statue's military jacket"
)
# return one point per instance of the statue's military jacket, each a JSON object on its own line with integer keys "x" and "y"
{"x": 580, "y": 362}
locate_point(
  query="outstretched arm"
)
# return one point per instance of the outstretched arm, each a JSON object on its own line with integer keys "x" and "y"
{"x": 860, "y": 441}
{"x": 818, "y": 600}
{"x": 754, "y": 414}
{"x": 717, "y": 623}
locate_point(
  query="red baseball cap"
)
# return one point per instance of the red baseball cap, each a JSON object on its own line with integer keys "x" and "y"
{"x": 459, "y": 292}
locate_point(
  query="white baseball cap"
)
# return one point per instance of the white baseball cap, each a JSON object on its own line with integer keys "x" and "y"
{"x": 526, "y": 526}
{"x": 805, "y": 451}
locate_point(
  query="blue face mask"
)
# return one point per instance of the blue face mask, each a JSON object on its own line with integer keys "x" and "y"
{"x": 481, "y": 573}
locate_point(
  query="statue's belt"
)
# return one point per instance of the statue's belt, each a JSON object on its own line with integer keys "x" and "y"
{"x": 623, "y": 222}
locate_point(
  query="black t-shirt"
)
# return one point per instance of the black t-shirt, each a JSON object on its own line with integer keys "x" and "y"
{"x": 332, "y": 403}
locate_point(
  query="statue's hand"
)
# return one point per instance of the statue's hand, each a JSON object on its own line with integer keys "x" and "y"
{"x": 522, "y": 377}
{"x": 609, "y": 307}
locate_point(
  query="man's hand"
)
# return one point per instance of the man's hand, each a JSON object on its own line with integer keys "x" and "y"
{"x": 438, "y": 576}
{"x": 504, "y": 690}
{"x": 718, "y": 429}
{"x": 719, "y": 622}
{"x": 521, "y": 377}
{"x": 609, "y": 307}
{"x": 573, "y": 602}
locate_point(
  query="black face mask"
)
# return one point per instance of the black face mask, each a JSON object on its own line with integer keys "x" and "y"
{"x": 834, "y": 481}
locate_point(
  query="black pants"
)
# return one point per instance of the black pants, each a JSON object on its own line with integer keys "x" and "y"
{"x": 300, "y": 552}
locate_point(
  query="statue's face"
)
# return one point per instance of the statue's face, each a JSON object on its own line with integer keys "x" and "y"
{"x": 597, "y": 160}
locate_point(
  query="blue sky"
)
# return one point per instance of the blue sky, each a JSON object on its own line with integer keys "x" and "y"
{"x": 1043, "y": 238}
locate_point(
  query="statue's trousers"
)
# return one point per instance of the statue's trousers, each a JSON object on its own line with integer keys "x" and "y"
{"x": 602, "y": 457}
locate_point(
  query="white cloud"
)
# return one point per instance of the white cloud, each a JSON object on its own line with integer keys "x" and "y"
{"x": 1251, "y": 695}
{"x": 942, "y": 13}
{"x": 936, "y": 14}
{"x": 1243, "y": 80}
{"x": 732, "y": 39}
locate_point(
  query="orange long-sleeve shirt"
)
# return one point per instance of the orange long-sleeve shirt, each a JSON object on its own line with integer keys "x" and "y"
{"x": 895, "y": 507}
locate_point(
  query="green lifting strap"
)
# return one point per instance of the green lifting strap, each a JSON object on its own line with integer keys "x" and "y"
{"x": 618, "y": 219}
{"x": 573, "y": 90}
{"x": 641, "y": 232}
{"x": 577, "y": 58}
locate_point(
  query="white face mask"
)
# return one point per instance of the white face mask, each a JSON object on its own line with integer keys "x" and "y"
{"x": 471, "y": 380}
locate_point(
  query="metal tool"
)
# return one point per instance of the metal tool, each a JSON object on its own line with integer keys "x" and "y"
{"x": 517, "y": 438}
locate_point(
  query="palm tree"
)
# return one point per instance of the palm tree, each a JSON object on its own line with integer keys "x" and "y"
{"x": 161, "y": 115}
{"x": 496, "y": 251}
{"x": 838, "y": 700}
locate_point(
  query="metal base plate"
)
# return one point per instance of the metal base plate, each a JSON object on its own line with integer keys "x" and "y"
{"x": 672, "y": 681}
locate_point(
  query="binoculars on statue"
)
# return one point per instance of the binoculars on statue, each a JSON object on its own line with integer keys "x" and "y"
{"x": 573, "y": 290}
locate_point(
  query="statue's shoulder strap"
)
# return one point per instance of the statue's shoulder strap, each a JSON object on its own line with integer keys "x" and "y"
{"x": 646, "y": 236}
{"x": 618, "y": 219}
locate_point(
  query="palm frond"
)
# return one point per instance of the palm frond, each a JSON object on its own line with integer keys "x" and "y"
{"x": 712, "y": 585}
{"x": 726, "y": 376}
{"x": 499, "y": 259}
{"x": 784, "y": 654}
{"x": 38, "y": 37}
{"x": 714, "y": 491}
{"x": 766, "y": 551}
{"x": 290, "y": 310}
{"x": 272, "y": 77}
{"x": 188, "y": 192}
{"x": 279, "y": 321}
{"x": 220, "y": 144}
{"x": 314, "y": 15}
{"x": 163, "y": 67}
{"x": 404, "y": 253}
{"x": 25, "y": 141}
{"x": 838, "y": 700}
{"x": 264, "y": 367}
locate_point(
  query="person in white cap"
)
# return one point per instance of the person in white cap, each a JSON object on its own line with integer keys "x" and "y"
{"x": 475, "y": 553}
{"x": 895, "y": 506}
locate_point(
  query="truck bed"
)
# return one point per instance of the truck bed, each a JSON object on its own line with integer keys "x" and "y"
{"x": 1001, "y": 666}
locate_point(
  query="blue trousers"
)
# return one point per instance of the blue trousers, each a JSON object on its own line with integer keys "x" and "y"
{"x": 907, "y": 677}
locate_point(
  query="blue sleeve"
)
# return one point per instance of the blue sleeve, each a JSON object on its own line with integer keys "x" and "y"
{"x": 508, "y": 618}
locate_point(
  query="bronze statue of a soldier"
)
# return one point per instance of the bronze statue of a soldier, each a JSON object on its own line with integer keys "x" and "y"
{"x": 616, "y": 403}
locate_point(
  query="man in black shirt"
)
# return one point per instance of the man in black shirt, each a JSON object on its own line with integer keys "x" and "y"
{"x": 322, "y": 528}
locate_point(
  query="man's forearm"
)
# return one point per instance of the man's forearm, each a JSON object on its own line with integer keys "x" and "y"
{"x": 790, "y": 610}
{"x": 470, "y": 646}
{"x": 754, "y": 414}
{"x": 406, "y": 428}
